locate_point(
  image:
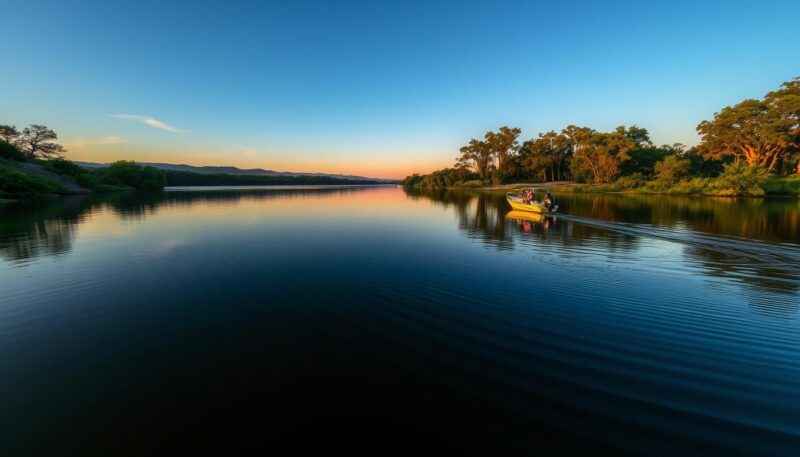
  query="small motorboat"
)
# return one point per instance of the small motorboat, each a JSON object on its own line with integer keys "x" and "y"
{"x": 525, "y": 200}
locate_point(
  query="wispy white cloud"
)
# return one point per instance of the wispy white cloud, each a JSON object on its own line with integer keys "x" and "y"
{"x": 251, "y": 153}
{"x": 87, "y": 142}
{"x": 151, "y": 121}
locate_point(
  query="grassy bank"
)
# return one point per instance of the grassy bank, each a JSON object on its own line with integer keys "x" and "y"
{"x": 14, "y": 184}
{"x": 783, "y": 186}
{"x": 774, "y": 186}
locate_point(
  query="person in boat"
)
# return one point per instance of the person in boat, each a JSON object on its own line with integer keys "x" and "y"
{"x": 527, "y": 196}
{"x": 548, "y": 201}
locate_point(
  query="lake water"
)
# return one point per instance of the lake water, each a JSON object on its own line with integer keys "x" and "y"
{"x": 382, "y": 321}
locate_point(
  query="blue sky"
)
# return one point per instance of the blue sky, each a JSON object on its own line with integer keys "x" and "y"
{"x": 378, "y": 88}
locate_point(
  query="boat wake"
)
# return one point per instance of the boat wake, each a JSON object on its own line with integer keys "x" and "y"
{"x": 783, "y": 255}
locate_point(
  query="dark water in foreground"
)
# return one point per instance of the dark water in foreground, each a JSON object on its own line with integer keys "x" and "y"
{"x": 380, "y": 321}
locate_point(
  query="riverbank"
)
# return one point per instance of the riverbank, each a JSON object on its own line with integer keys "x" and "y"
{"x": 774, "y": 186}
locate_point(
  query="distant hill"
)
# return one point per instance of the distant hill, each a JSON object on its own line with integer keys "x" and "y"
{"x": 239, "y": 171}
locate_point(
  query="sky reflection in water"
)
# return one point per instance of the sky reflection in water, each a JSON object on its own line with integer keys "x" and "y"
{"x": 624, "y": 322}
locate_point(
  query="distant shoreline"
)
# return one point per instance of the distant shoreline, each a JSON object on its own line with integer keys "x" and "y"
{"x": 270, "y": 187}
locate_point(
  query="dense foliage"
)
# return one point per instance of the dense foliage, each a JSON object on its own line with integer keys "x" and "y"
{"x": 121, "y": 175}
{"x": 765, "y": 132}
{"x": 131, "y": 174}
{"x": 11, "y": 151}
{"x": 738, "y": 149}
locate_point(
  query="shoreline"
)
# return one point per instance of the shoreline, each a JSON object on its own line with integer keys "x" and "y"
{"x": 573, "y": 187}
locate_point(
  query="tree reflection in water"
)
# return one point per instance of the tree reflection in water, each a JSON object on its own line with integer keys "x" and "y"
{"x": 750, "y": 241}
{"x": 48, "y": 227}
{"x": 753, "y": 242}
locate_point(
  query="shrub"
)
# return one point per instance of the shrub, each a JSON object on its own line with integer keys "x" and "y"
{"x": 671, "y": 170}
{"x": 10, "y": 151}
{"x": 739, "y": 178}
{"x": 88, "y": 180}
{"x": 64, "y": 167}
{"x": 690, "y": 186}
{"x": 632, "y": 181}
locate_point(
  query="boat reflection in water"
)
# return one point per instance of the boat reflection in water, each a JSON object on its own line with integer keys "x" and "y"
{"x": 526, "y": 220}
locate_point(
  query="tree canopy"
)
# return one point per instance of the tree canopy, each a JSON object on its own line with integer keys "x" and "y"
{"x": 601, "y": 154}
{"x": 503, "y": 145}
{"x": 478, "y": 155}
{"x": 8, "y": 133}
{"x": 38, "y": 141}
{"x": 762, "y": 132}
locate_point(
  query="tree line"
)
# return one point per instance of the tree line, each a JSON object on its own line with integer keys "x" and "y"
{"x": 764, "y": 134}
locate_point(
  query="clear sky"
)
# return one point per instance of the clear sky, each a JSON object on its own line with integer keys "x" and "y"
{"x": 375, "y": 88}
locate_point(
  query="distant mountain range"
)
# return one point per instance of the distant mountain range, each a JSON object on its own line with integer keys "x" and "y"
{"x": 238, "y": 171}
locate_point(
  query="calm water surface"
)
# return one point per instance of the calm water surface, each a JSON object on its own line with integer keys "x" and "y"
{"x": 381, "y": 320}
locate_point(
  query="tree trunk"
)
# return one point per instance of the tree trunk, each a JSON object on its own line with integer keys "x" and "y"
{"x": 774, "y": 161}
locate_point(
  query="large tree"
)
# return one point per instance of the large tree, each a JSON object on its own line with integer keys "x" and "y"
{"x": 601, "y": 153}
{"x": 39, "y": 141}
{"x": 762, "y": 132}
{"x": 504, "y": 145}
{"x": 550, "y": 152}
{"x": 478, "y": 155}
{"x": 786, "y": 102}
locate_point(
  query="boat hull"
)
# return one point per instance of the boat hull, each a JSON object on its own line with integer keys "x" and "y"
{"x": 519, "y": 206}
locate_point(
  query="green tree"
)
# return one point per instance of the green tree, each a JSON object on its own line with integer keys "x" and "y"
{"x": 762, "y": 132}
{"x": 533, "y": 160}
{"x": 478, "y": 155}
{"x": 131, "y": 174}
{"x": 549, "y": 152}
{"x": 643, "y": 159}
{"x": 503, "y": 145}
{"x": 672, "y": 169}
{"x": 576, "y": 138}
{"x": 600, "y": 154}
{"x": 703, "y": 166}
{"x": 786, "y": 103}
{"x": 38, "y": 141}
{"x": 739, "y": 178}
{"x": 640, "y": 136}
{"x": 9, "y": 133}
{"x": 557, "y": 148}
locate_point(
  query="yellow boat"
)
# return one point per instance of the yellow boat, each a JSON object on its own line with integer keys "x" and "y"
{"x": 520, "y": 203}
